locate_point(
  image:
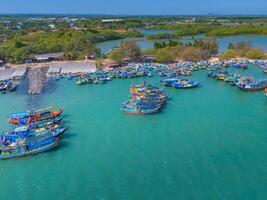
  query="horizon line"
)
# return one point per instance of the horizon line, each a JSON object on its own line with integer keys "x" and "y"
{"x": 175, "y": 15}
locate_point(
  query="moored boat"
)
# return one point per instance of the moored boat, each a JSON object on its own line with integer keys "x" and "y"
{"x": 144, "y": 99}
{"x": 32, "y": 116}
{"x": 252, "y": 85}
{"x": 25, "y": 147}
{"x": 180, "y": 83}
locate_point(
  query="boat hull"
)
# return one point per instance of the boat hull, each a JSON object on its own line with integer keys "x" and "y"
{"x": 251, "y": 89}
{"x": 35, "y": 151}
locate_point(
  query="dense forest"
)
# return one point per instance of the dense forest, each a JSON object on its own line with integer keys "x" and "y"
{"x": 74, "y": 44}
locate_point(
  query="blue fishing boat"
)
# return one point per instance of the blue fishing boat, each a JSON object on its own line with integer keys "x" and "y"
{"x": 24, "y": 147}
{"x": 252, "y": 85}
{"x": 144, "y": 99}
{"x": 169, "y": 81}
{"x": 180, "y": 83}
{"x": 26, "y": 132}
{"x": 136, "y": 109}
{"x": 185, "y": 84}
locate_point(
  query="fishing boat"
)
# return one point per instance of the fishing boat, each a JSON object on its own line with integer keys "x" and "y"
{"x": 185, "y": 84}
{"x": 252, "y": 85}
{"x": 11, "y": 136}
{"x": 35, "y": 115}
{"x": 144, "y": 99}
{"x": 4, "y": 85}
{"x": 232, "y": 79}
{"x": 81, "y": 80}
{"x": 169, "y": 81}
{"x": 46, "y": 123}
{"x": 140, "y": 110}
{"x": 12, "y": 87}
{"x": 24, "y": 147}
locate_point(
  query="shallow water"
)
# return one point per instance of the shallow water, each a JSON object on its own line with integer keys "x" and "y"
{"x": 207, "y": 143}
{"x": 256, "y": 41}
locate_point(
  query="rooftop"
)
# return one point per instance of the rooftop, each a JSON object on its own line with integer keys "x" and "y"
{"x": 67, "y": 68}
{"x": 48, "y": 56}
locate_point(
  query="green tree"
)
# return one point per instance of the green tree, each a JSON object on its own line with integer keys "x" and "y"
{"x": 116, "y": 55}
{"x": 130, "y": 49}
{"x": 230, "y": 53}
{"x": 165, "y": 55}
{"x": 255, "y": 54}
{"x": 149, "y": 52}
{"x": 230, "y": 46}
{"x": 194, "y": 54}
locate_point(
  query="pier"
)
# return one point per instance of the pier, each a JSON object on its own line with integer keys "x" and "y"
{"x": 37, "y": 78}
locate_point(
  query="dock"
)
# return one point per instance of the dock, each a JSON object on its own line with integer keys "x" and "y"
{"x": 37, "y": 78}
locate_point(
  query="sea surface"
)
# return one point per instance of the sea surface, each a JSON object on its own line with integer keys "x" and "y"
{"x": 206, "y": 143}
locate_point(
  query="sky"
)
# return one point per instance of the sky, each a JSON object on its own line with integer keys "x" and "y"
{"x": 136, "y": 7}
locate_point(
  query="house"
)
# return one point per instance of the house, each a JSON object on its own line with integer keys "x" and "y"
{"x": 72, "y": 68}
{"x": 107, "y": 63}
{"x": 148, "y": 58}
{"x": 48, "y": 57}
{"x": 111, "y": 20}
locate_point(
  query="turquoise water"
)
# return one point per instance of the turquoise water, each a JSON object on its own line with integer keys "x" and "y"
{"x": 257, "y": 41}
{"x": 207, "y": 143}
{"x": 152, "y": 32}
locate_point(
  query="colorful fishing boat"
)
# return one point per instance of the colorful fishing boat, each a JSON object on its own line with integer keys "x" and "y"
{"x": 24, "y": 147}
{"x": 144, "y": 99}
{"x": 33, "y": 116}
{"x": 29, "y": 132}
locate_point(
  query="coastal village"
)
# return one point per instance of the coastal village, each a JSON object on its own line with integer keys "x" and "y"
{"x": 45, "y": 66}
{"x": 126, "y": 100}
